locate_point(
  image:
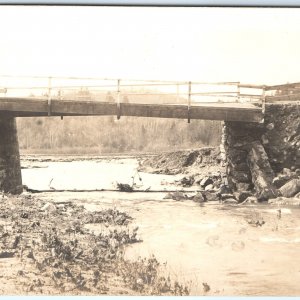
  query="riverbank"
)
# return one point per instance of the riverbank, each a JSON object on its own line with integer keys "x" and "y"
{"x": 38, "y": 257}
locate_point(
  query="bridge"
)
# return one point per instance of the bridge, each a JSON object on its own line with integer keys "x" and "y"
{"x": 74, "y": 96}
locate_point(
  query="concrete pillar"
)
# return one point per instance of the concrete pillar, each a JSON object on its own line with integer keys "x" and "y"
{"x": 10, "y": 169}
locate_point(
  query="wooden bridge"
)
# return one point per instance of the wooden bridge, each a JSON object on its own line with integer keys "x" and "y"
{"x": 70, "y": 96}
{"x": 41, "y": 96}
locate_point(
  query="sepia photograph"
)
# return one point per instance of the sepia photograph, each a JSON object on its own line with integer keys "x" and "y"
{"x": 149, "y": 151}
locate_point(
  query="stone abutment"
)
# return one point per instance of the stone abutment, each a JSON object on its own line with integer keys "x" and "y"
{"x": 254, "y": 153}
{"x": 10, "y": 169}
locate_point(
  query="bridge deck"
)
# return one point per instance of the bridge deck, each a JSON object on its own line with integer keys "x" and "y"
{"x": 24, "y": 107}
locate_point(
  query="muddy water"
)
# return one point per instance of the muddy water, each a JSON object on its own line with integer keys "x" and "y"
{"x": 212, "y": 243}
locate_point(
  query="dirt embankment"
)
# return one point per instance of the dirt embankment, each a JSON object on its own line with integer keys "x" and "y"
{"x": 46, "y": 248}
{"x": 183, "y": 162}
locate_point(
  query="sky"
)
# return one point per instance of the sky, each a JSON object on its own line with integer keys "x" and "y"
{"x": 250, "y": 45}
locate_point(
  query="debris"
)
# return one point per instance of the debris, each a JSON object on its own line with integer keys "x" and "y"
{"x": 291, "y": 188}
{"x": 124, "y": 187}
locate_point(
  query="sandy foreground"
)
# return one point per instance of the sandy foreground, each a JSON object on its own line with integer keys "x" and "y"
{"x": 46, "y": 249}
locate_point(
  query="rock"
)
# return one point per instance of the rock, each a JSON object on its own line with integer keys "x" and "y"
{"x": 280, "y": 180}
{"x": 198, "y": 179}
{"x": 187, "y": 181}
{"x": 261, "y": 172}
{"x": 206, "y": 181}
{"x": 241, "y": 176}
{"x": 242, "y": 186}
{"x": 285, "y": 201}
{"x": 50, "y": 207}
{"x": 210, "y": 196}
{"x": 230, "y": 201}
{"x": 198, "y": 198}
{"x": 264, "y": 140}
{"x": 242, "y": 196}
{"x": 297, "y": 195}
{"x": 291, "y": 188}
{"x": 176, "y": 196}
{"x": 209, "y": 187}
{"x": 286, "y": 171}
{"x": 250, "y": 199}
{"x": 270, "y": 126}
{"x": 225, "y": 189}
{"x": 227, "y": 196}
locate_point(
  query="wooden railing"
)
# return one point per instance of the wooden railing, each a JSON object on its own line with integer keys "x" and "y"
{"x": 143, "y": 91}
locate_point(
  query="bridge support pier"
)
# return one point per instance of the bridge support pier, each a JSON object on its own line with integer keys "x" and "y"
{"x": 255, "y": 152}
{"x": 10, "y": 168}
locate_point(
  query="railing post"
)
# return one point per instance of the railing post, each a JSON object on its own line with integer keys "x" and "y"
{"x": 189, "y": 101}
{"x": 49, "y": 96}
{"x": 118, "y": 100}
{"x": 263, "y": 101}
{"x": 238, "y": 92}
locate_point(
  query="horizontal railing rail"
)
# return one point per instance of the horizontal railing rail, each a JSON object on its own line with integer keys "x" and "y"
{"x": 117, "y": 89}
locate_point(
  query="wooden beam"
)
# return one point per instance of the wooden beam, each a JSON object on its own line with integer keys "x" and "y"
{"x": 209, "y": 111}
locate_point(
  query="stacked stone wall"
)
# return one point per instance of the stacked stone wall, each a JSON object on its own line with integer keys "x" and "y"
{"x": 276, "y": 142}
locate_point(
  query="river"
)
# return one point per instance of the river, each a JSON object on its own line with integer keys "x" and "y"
{"x": 211, "y": 243}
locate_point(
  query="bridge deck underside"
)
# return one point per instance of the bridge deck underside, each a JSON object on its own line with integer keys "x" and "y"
{"x": 22, "y": 107}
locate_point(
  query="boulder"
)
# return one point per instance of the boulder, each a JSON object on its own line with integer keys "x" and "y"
{"x": 261, "y": 172}
{"x": 209, "y": 187}
{"x": 230, "y": 201}
{"x": 176, "y": 196}
{"x": 206, "y": 181}
{"x": 210, "y": 196}
{"x": 198, "y": 198}
{"x": 242, "y": 196}
{"x": 291, "y": 188}
{"x": 242, "y": 186}
{"x": 187, "y": 181}
{"x": 280, "y": 180}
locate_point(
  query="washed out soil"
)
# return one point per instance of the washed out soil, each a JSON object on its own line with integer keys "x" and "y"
{"x": 187, "y": 161}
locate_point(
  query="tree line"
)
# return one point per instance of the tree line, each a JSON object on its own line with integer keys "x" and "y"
{"x": 104, "y": 135}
